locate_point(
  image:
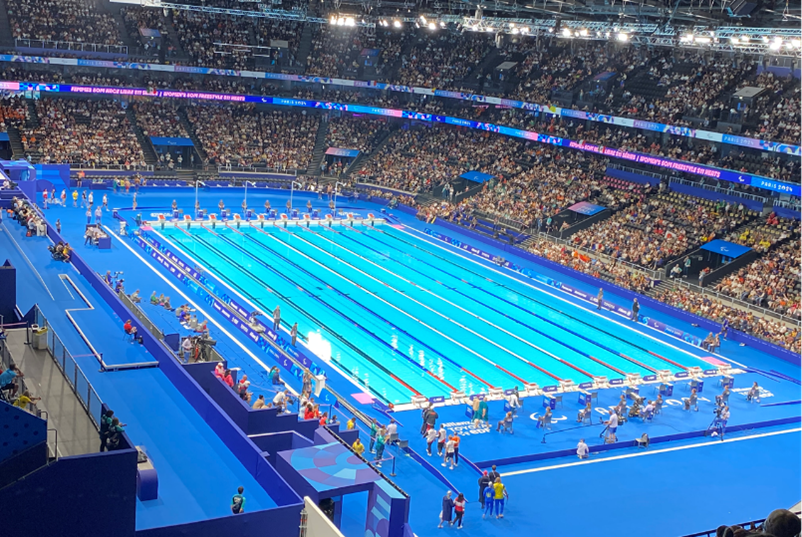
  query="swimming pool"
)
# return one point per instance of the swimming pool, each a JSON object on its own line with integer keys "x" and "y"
{"x": 406, "y": 317}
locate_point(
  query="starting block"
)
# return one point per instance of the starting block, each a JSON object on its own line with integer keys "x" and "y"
{"x": 213, "y": 220}
{"x": 162, "y": 220}
{"x": 420, "y": 401}
{"x": 237, "y": 219}
{"x": 666, "y": 389}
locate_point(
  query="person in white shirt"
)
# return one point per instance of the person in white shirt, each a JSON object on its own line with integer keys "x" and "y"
{"x": 279, "y": 398}
{"x": 515, "y": 403}
{"x": 186, "y": 348}
{"x": 392, "y": 432}
{"x": 449, "y": 454}
{"x": 431, "y": 436}
{"x": 582, "y": 449}
{"x": 441, "y": 439}
{"x": 612, "y": 426}
{"x": 648, "y": 411}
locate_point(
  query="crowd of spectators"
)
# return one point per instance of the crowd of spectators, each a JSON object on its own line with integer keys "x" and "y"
{"x": 159, "y": 118}
{"x": 745, "y": 321}
{"x": 771, "y": 281}
{"x": 336, "y": 50}
{"x": 213, "y": 40}
{"x": 613, "y": 271}
{"x": 355, "y": 132}
{"x": 12, "y": 112}
{"x": 780, "y": 120}
{"x": 419, "y": 159}
{"x": 238, "y": 135}
{"x": 79, "y": 21}
{"x": 267, "y": 30}
{"x": 661, "y": 228}
{"x": 443, "y": 60}
{"x": 141, "y": 18}
{"x": 90, "y": 133}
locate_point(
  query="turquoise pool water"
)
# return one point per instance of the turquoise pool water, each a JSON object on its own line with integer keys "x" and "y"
{"x": 403, "y": 316}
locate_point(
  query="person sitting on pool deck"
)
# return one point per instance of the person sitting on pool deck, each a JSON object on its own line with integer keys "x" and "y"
{"x": 692, "y": 401}
{"x": 506, "y": 423}
{"x": 584, "y": 414}
{"x": 754, "y": 393}
{"x": 544, "y": 420}
{"x": 154, "y": 299}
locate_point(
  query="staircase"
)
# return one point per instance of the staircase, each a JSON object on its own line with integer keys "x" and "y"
{"x": 200, "y": 154}
{"x": 147, "y": 146}
{"x": 663, "y": 285}
{"x": 305, "y": 46}
{"x": 15, "y": 141}
{"x": 115, "y": 10}
{"x": 32, "y": 122}
{"x": 320, "y": 148}
{"x": 180, "y": 54}
{"x": 5, "y": 27}
{"x": 357, "y": 164}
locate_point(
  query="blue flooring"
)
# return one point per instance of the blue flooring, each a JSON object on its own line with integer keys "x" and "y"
{"x": 197, "y": 473}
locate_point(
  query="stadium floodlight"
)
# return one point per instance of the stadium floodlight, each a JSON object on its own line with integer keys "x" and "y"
{"x": 796, "y": 43}
{"x": 703, "y": 40}
{"x": 621, "y": 36}
{"x": 432, "y": 26}
{"x": 566, "y": 32}
{"x": 397, "y": 23}
{"x": 776, "y": 44}
{"x": 583, "y": 32}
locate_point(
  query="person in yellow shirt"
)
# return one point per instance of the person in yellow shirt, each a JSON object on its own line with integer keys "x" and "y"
{"x": 498, "y": 499}
{"x": 75, "y": 198}
{"x": 351, "y": 424}
{"x": 25, "y": 399}
{"x": 358, "y": 446}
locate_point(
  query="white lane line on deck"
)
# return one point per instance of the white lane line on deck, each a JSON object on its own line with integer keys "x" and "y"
{"x": 655, "y": 452}
{"x": 194, "y": 305}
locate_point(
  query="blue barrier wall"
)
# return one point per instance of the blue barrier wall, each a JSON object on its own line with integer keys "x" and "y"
{"x": 278, "y": 521}
{"x": 235, "y": 440}
{"x": 631, "y": 176}
{"x": 79, "y": 496}
{"x": 699, "y": 192}
{"x": 284, "y": 441}
{"x": 19, "y": 430}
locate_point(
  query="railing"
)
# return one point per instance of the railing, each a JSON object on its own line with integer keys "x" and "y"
{"x": 751, "y": 525}
{"x": 511, "y": 223}
{"x": 720, "y": 190}
{"x": 136, "y": 309}
{"x": 72, "y": 372}
{"x": 255, "y": 168}
{"x": 658, "y": 274}
{"x": 736, "y": 302}
{"x": 793, "y": 203}
{"x": 71, "y": 45}
{"x": 80, "y": 165}
{"x": 647, "y": 173}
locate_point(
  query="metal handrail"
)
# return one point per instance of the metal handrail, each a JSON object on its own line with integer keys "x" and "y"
{"x": 656, "y": 275}
{"x": 752, "y": 524}
{"x": 737, "y": 302}
{"x": 720, "y": 190}
{"x": 71, "y": 367}
{"x": 71, "y": 45}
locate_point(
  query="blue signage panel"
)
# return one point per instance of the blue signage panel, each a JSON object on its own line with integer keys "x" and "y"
{"x": 728, "y": 249}
{"x": 159, "y": 140}
{"x": 477, "y": 177}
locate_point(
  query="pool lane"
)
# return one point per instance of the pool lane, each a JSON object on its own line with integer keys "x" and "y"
{"x": 633, "y": 343}
{"x": 483, "y": 370}
{"x": 267, "y": 289}
{"x": 586, "y": 354}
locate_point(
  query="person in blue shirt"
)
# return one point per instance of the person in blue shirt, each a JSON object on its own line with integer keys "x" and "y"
{"x": 489, "y": 496}
{"x": 7, "y": 379}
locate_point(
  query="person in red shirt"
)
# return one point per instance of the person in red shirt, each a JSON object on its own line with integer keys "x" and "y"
{"x": 128, "y": 326}
{"x": 228, "y": 379}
